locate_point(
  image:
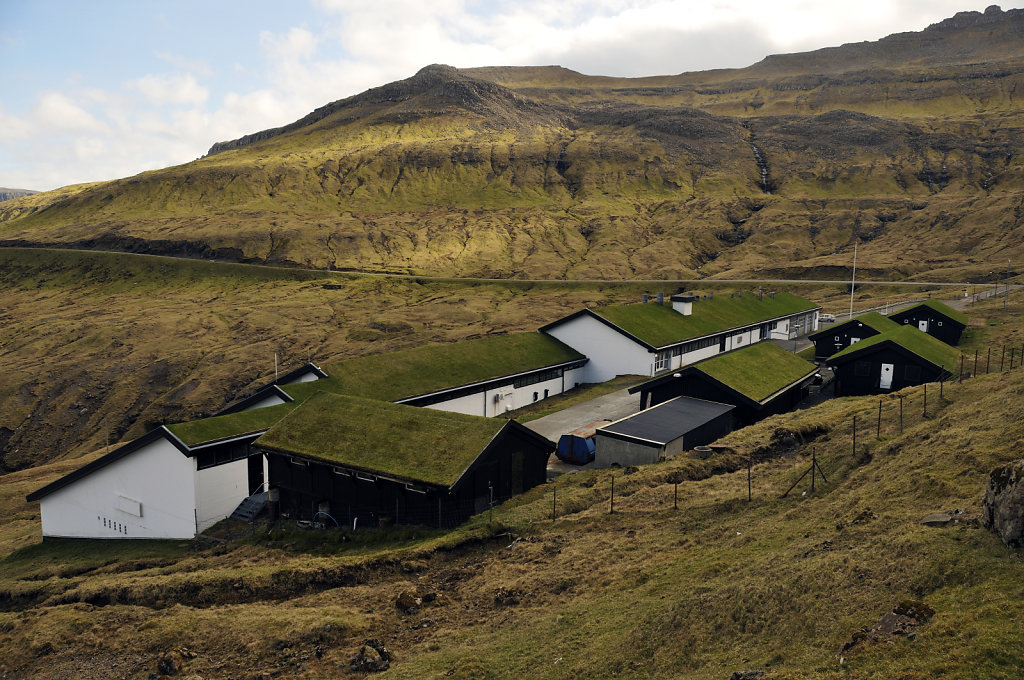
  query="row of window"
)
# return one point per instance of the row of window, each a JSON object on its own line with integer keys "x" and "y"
{"x": 535, "y": 378}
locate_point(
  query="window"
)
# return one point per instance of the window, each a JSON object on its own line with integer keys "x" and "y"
{"x": 837, "y": 338}
{"x": 906, "y": 321}
{"x": 939, "y": 322}
{"x": 534, "y": 378}
{"x": 862, "y": 368}
{"x": 677, "y": 350}
{"x": 661, "y": 361}
{"x": 535, "y": 396}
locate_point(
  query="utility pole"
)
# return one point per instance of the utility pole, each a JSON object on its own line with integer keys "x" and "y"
{"x": 853, "y": 277}
{"x": 1006, "y": 297}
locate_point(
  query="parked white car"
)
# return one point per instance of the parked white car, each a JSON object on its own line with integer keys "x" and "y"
{"x": 830, "y": 318}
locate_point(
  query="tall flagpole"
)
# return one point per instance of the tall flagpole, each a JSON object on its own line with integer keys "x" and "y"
{"x": 853, "y": 277}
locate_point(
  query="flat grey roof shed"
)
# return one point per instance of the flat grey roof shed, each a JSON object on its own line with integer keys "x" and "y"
{"x": 669, "y": 420}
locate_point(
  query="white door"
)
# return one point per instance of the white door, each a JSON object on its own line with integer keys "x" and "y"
{"x": 853, "y": 340}
{"x": 886, "y": 380}
{"x": 923, "y": 325}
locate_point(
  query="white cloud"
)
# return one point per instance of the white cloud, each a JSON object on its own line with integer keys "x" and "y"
{"x": 57, "y": 111}
{"x": 174, "y": 89}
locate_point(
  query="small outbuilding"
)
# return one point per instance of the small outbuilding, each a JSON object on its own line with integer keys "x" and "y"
{"x": 891, "y": 361}
{"x": 172, "y": 482}
{"x": 759, "y": 380}
{"x": 934, "y": 318}
{"x": 361, "y": 462}
{"x": 667, "y": 429}
{"x": 840, "y": 336}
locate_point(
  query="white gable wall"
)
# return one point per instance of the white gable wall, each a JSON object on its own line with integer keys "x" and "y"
{"x": 158, "y": 476}
{"x": 219, "y": 490}
{"x": 611, "y": 353}
{"x": 271, "y": 400}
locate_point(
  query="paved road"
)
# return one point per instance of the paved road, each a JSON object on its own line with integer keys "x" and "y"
{"x": 608, "y": 407}
{"x": 664, "y": 282}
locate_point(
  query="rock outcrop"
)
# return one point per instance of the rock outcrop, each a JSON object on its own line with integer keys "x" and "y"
{"x": 1002, "y": 509}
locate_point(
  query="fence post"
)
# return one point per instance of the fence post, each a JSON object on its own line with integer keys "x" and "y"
{"x": 854, "y": 436}
{"x": 878, "y": 427}
{"x": 924, "y": 411}
{"x": 814, "y": 464}
{"x": 942, "y": 381}
{"x": 975, "y": 374}
{"x": 750, "y": 464}
{"x": 1001, "y": 357}
{"x": 901, "y": 414}
{"x": 961, "y": 378}
{"x": 611, "y": 506}
{"x": 1012, "y": 351}
{"x": 675, "y": 496}
{"x": 988, "y": 361}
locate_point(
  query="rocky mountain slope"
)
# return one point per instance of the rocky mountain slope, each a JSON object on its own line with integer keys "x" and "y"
{"x": 8, "y": 194}
{"x": 910, "y": 145}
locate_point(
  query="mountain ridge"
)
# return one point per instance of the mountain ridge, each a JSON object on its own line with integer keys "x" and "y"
{"x": 542, "y": 172}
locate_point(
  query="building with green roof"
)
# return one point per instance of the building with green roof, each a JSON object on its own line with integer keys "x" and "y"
{"x": 759, "y": 380}
{"x": 891, "y": 361}
{"x": 366, "y": 461}
{"x": 830, "y": 340}
{"x": 486, "y": 376}
{"x": 934, "y": 318}
{"x": 649, "y": 338}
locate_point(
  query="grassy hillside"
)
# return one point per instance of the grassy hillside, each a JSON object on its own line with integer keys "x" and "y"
{"x": 716, "y": 586}
{"x": 910, "y": 146}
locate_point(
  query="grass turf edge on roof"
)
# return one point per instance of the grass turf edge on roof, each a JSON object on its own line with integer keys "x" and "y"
{"x": 195, "y": 432}
{"x": 910, "y": 338}
{"x": 431, "y": 368}
{"x": 408, "y": 442}
{"x": 660, "y": 325}
{"x": 872, "y": 320}
{"x": 757, "y": 371}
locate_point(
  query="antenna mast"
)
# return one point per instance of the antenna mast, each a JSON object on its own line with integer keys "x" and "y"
{"x": 853, "y": 277}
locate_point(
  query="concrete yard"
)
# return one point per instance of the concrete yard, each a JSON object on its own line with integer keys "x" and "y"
{"x": 609, "y": 407}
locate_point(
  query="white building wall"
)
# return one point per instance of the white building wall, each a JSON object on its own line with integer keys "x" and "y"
{"x": 509, "y": 398}
{"x": 219, "y": 490}
{"x": 158, "y": 476}
{"x": 781, "y": 331}
{"x": 610, "y": 352}
{"x": 272, "y": 400}
{"x": 471, "y": 405}
{"x": 574, "y": 376}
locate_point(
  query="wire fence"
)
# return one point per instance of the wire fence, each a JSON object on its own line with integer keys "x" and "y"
{"x": 869, "y": 427}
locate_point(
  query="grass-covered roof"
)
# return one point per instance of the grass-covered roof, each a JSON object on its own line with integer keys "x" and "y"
{"x": 431, "y": 368}
{"x": 757, "y": 371}
{"x": 872, "y": 320}
{"x": 910, "y": 338}
{"x": 196, "y": 432}
{"x": 941, "y": 308}
{"x": 417, "y": 444}
{"x": 660, "y": 325}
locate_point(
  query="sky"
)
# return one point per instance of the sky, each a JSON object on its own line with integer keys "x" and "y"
{"x": 100, "y": 90}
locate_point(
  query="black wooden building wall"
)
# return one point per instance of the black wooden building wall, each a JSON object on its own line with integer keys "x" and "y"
{"x": 698, "y": 386}
{"x": 939, "y": 325}
{"x": 509, "y": 466}
{"x": 861, "y": 373}
{"x": 826, "y": 344}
